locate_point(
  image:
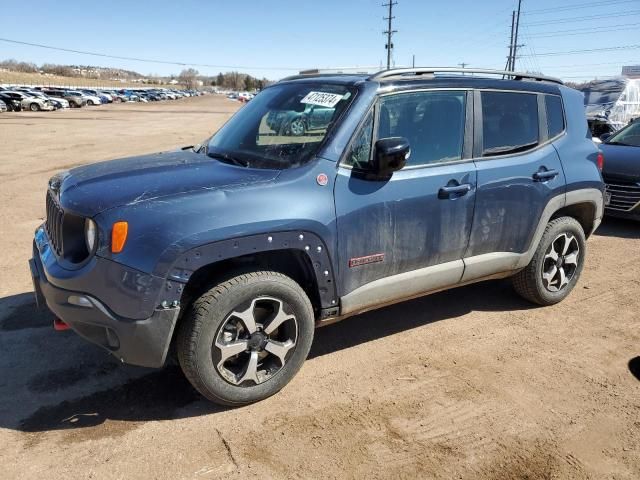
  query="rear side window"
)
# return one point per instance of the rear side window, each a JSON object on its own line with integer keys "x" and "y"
{"x": 555, "y": 115}
{"x": 509, "y": 122}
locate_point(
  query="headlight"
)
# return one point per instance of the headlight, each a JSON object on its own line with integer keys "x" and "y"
{"x": 90, "y": 234}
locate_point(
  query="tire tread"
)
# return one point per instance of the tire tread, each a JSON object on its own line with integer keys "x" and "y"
{"x": 198, "y": 315}
{"x": 525, "y": 282}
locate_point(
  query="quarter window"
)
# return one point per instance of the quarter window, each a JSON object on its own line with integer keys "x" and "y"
{"x": 509, "y": 122}
{"x": 360, "y": 152}
{"x": 555, "y": 115}
{"x": 433, "y": 122}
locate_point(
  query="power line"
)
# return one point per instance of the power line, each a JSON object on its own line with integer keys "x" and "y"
{"x": 589, "y": 50}
{"x": 573, "y": 66}
{"x": 540, "y": 11}
{"x": 587, "y": 30}
{"x": 144, "y": 60}
{"x": 590, "y": 17}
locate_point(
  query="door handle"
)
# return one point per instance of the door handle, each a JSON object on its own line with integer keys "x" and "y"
{"x": 545, "y": 175}
{"x": 454, "y": 190}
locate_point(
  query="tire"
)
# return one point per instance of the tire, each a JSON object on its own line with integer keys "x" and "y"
{"x": 90, "y": 102}
{"x": 221, "y": 318}
{"x": 297, "y": 127}
{"x": 34, "y": 107}
{"x": 556, "y": 265}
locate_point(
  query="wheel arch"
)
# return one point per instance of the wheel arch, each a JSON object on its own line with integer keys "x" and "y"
{"x": 291, "y": 263}
{"x": 583, "y": 212}
{"x": 301, "y": 255}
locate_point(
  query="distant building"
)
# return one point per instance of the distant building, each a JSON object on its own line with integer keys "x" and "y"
{"x": 631, "y": 71}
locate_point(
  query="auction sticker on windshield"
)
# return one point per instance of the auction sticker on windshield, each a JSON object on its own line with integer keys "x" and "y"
{"x": 322, "y": 99}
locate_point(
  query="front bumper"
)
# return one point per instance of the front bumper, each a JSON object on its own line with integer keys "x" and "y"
{"x": 144, "y": 342}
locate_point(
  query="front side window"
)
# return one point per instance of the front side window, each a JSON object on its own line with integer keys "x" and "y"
{"x": 555, "y": 115}
{"x": 509, "y": 122}
{"x": 433, "y": 122}
{"x": 283, "y": 126}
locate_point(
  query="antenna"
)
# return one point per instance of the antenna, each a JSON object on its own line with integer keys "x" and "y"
{"x": 389, "y": 31}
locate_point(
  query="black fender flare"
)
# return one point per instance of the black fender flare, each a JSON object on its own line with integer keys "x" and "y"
{"x": 309, "y": 243}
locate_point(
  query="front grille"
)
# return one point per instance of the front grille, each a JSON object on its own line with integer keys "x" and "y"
{"x": 55, "y": 215}
{"x": 625, "y": 196}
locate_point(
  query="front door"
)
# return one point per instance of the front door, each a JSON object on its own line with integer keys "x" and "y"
{"x": 419, "y": 218}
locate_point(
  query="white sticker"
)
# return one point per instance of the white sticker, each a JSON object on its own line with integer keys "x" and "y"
{"x": 323, "y": 99}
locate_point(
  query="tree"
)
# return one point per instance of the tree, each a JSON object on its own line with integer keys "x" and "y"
{"x": 188, "y": 77}
{"x": 249, "y": 83}
{"x": 220, "y": 80}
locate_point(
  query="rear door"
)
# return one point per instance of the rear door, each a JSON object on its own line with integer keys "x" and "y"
{"x": 422, "y": 216}
{"x": 519, "y": 171}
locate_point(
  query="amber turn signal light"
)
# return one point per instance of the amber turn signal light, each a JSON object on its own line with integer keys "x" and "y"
{"x": 119, "y": 236}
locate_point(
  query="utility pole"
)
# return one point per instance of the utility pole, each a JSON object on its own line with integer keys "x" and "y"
{"x": 513, "y": 26}
{"x": 413, "y": 61}
{"x": 515, "y": 39}
{"x": 389, "y": 31}
{"x": 463, "y": 64}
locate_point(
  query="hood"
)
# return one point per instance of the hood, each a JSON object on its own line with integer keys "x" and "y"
{"x": 621, "y": 162}
{"x": 94, "y": 188}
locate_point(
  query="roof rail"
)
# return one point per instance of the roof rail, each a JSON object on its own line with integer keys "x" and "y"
{"x": 395, "y": 72}
{"x": 319, "y": 75}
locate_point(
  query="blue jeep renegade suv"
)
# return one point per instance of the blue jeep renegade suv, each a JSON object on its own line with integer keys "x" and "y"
{"x": 414, "y": 181}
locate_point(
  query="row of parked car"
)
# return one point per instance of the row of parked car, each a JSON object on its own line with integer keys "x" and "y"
{"x": 17, "y": 98}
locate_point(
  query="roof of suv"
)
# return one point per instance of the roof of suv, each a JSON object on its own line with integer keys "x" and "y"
{"x": 440, "y": 77}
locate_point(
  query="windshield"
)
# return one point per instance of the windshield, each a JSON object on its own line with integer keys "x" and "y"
{"x": 282, "y": 127}
{"x": 629, "y": 136}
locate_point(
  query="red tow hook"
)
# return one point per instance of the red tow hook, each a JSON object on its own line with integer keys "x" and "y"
{"x": 60, "y": 326}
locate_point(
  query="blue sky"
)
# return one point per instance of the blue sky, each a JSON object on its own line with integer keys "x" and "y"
{"x": 278, "y": 37}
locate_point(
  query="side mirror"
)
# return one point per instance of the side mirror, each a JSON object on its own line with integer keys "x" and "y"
{"x": 390, "y": 155}
{"x": 605, "y": 136}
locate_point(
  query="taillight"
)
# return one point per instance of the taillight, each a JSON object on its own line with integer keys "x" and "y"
{"x": 600, "y": 161}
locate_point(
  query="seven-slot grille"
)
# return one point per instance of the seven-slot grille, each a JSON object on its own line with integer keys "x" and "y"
{"x": 55, "y": 214}
{"x": 625, "y": 196}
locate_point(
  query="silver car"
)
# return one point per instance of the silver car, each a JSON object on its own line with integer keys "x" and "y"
{"x": 30, "y": 102}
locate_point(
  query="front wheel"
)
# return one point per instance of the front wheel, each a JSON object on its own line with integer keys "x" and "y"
{"x": 556, "y": 265}
{"x": 297, "y": 127}
{"x": 246, "y": 338}
{"x": 34, "y": 107}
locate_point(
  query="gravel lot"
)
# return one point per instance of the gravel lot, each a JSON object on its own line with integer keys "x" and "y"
{"x": 471, "y": 383}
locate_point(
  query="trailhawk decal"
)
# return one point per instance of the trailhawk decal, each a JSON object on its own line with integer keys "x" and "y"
{"x": 322, "y": 99}
{"x": 356, "y": 262}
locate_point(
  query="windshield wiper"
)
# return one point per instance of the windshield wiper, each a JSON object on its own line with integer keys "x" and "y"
{"x": 230, "y": 159}
{"x": 620, "y": 143}
{"x": 508, "y": 149}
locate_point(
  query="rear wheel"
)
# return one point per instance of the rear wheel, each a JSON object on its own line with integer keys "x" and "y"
{"x": 245, "y": 339}
{"x": 557, "y": 264}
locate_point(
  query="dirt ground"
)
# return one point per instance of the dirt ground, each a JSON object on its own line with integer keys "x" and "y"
{"x": 473, "y": 383}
